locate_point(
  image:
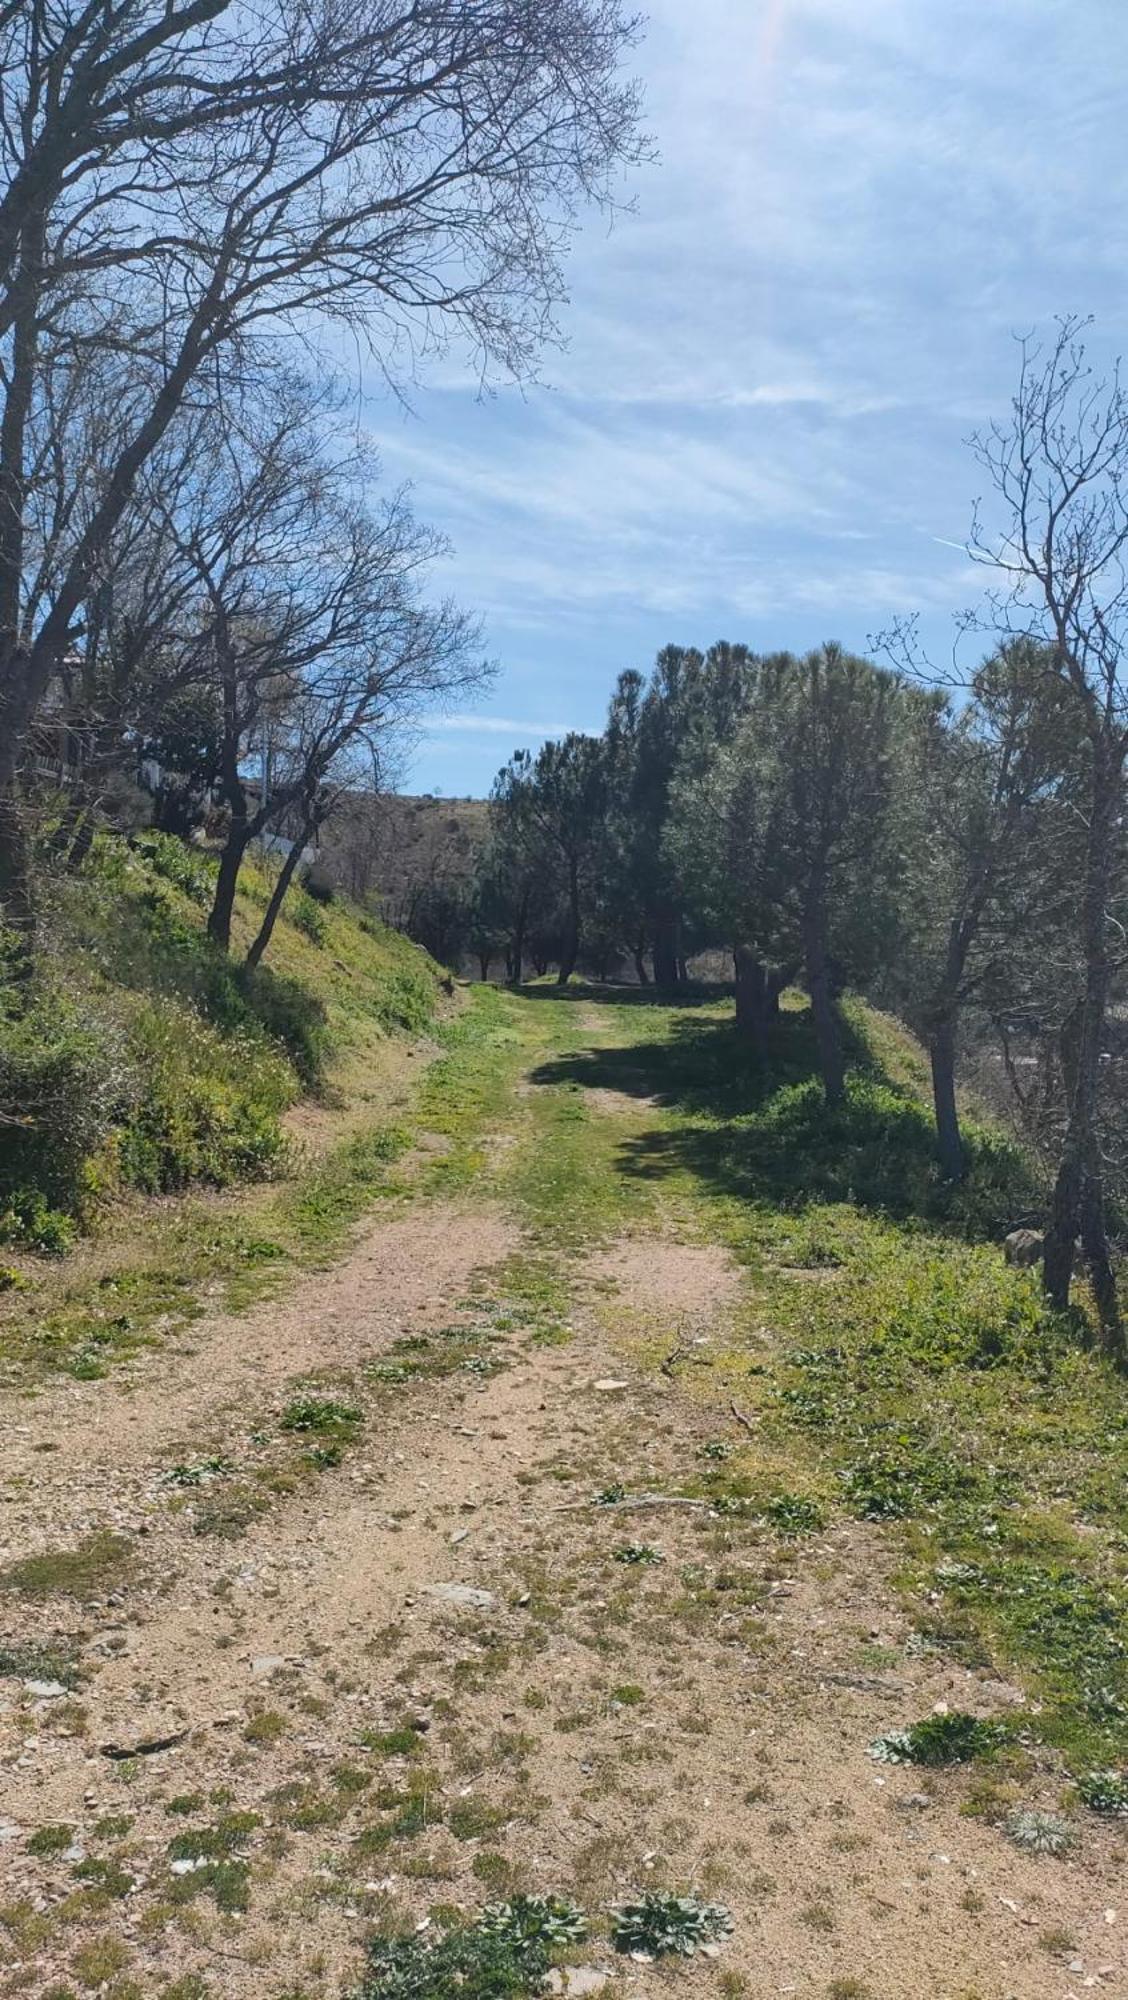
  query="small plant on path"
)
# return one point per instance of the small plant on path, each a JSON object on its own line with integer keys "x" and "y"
{"x": 657, "y": 1924}
{"x": 1105, "y": 1792}
{"x": 951, "y": 1738}
{"x": 534, "y": 1923}
{"x": 638, "y": 1553}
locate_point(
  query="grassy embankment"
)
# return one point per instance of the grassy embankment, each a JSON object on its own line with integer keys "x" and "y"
{"x": 151, "y": 1066}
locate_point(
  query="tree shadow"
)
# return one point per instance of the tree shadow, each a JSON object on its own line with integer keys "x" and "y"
{"x": 762, "y": 1133}
{"x": 613, "y": 995}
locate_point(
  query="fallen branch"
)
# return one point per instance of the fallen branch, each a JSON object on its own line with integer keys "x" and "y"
{"x": 742, "y": 1419}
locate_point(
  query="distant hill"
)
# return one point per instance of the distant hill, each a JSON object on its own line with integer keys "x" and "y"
{"x": 385, "y": 850}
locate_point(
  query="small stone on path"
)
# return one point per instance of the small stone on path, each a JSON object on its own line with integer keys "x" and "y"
{"x": 463, "y": 1595}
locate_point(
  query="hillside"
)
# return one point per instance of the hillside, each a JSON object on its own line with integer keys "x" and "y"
{"x": 669, "y": 1489}
{"x": 148, "y": 1066}
{"x": 385, "y": 849}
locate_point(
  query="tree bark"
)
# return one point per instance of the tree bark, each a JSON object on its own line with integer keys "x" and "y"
{"x": 641, "y": 974}
{"x": 942, "y": 1057}
{"x": 571, "y": 947}
{"x": 1094, "y": 1243}
{"x": 664, "y": 950}
{"x": 751, "y": 999}
{"x": 230, "y": 862}
{"x": 277, "y": 896}
{"x": 1078, "y": 1186}
{"x": 828, "y": 1035}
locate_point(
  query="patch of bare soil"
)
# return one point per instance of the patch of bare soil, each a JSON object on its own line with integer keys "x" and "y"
{"x": 656, "y": 1275}
{"x": 425, "y": 1675}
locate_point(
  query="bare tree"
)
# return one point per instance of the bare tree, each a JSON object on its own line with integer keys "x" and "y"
{"x": 181, "y": 182}
{"x": 1059, "y": 469}
{"x": 307, "y": 627}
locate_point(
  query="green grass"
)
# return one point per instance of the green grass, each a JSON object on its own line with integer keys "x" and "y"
{"x": 919, "y": 1381}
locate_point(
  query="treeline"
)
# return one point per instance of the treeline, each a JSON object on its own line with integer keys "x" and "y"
{"x": 820, "y": 819}
{"x": 945, "y": 841}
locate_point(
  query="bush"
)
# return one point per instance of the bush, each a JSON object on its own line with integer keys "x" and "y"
{"x": 63, "y": 1081}
{"x": 307, "y": 918}
{"x": 208, "y": 1107}
{"x": 176, "y": 862}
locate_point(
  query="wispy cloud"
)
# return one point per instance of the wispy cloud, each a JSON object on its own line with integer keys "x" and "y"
{"x": 757, "y": 429}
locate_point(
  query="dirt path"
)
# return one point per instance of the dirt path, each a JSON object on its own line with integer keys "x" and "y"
{"x": 398, "y": 1662}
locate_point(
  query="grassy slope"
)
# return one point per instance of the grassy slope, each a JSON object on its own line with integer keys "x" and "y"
{"x": 194, "y": 1068}
{"x": 912, "y": 1378}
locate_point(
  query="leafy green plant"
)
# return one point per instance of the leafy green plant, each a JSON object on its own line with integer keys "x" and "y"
{"x": 1105, "y": 1792}
{"x": 637, "y": 1553}
{"x": 793, "y": 1514}
{"x": 323, "y": 1417}
{"x": 465, "y": 1964}
{"x": 952, "y": 1738}
{"x": 201, "y": 1472}
{"x": 534, "y": 1923}
{"x": 657, "y": 1924}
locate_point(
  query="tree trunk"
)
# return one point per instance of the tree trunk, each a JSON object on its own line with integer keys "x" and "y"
{"x": 485, "y": 960}
{"x": 230, "y": 862}
{"x": 1094, "y": 1243}
{"x": 17, "y": 902}
{"x": 942, "y": 1057}
{"x": 641, "y": 973}
{"x": 571, "y": 946}
{"x": 751, "y": 999}
{"x": 664, "y": 950}
{"x": 277, "y": 897}
{"x": 828, "y": 1035}
{"x": 1080, "y": 1159}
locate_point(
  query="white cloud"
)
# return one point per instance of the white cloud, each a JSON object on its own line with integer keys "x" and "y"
{"x": 758, "y": 425}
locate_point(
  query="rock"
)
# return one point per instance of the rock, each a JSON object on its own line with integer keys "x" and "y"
{"x": 45, "y": 1690}
{"x": 265, "y": 1664}
{"x": 463, "y": 1595}
{"x": 609, "y": 1383}
{"x": 577, "y": 1979}
{"x": 9, "y": 1830}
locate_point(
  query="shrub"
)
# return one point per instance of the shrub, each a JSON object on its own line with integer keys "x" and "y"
{"x": 63, "y": 1080}
{"x": 209, "y": 1106}
{"x": 176, "y": 862}
{"x": 307, "y": 918}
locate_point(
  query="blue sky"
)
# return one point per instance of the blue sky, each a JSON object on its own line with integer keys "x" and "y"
{"x": 758, "y": 428}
